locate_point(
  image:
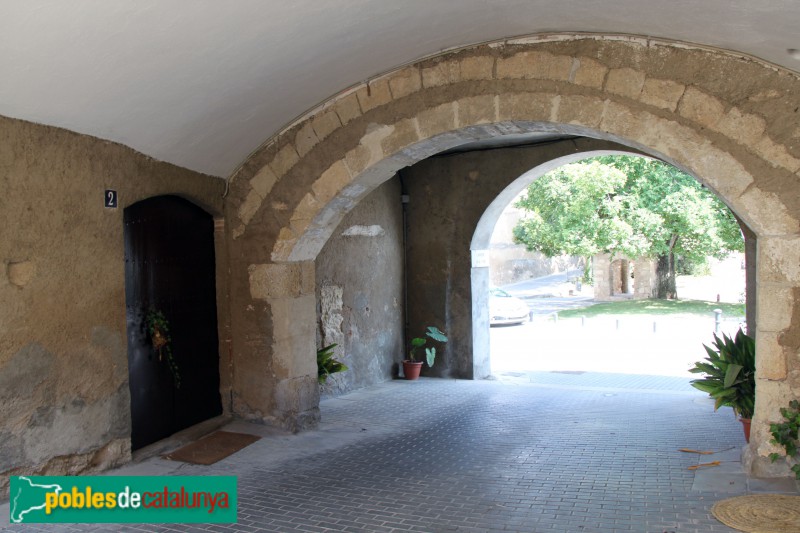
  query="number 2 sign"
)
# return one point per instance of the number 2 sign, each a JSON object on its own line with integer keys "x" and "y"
{"x": 110, "y": 199}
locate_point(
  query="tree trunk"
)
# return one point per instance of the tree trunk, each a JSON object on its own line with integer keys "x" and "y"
{"x": 665, "y": 277}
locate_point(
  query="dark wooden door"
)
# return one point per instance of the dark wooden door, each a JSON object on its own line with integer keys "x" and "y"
{"x": 169, "y": 268}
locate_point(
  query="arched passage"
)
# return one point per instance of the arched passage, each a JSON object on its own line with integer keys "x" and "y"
{"x": 669, "y": 101}
{"x": 481, "y": 242}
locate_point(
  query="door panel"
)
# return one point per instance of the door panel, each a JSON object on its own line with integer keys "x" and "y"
{"x": 169, "y": 267}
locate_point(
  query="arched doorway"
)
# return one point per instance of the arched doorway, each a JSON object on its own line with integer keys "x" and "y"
{"x": 170, "y": 285}
{"x": 291, "y": 193}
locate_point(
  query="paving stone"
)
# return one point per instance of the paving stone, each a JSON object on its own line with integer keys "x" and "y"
{"x": 560, "y": 454}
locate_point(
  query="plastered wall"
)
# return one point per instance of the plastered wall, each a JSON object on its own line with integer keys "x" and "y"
{"x": 64, "y": 397}
{"x": 359, "y": 291}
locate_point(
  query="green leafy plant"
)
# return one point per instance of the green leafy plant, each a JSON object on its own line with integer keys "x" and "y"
{"x": 730, "y": 373}
{"x": 419, "y": 342}
{"x": 326, "y": 364}
{"x": 158, "y": 328}
{"x": 785, "y": 434}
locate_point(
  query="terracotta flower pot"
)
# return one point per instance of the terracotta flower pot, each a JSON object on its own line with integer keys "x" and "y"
{"x": 746, "y": 427}
{"x": 411, "y": 369}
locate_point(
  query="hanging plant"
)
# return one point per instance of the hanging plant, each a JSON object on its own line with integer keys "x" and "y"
{"x": 158, "y": 328}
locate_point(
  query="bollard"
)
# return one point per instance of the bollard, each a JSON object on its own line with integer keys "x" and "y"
{"x": 717, "y": 319}
{"x": 654, "y": 326}
{"x": 618, "y": 323}
{"x": 583, "y": 321}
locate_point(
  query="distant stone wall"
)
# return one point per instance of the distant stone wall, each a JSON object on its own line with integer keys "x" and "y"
{"x": 623, "y": 276}
{"x": 511, "y": 264}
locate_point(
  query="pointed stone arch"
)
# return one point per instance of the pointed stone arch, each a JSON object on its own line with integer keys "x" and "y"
{"x": 729, "y": 120}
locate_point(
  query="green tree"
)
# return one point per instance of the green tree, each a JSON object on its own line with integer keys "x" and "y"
{"x": 627, "y": 205}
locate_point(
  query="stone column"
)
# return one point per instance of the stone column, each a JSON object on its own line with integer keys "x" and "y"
{"x": 481, "y": 347}
{"x": 777, "y": 347}
{"x": 644, "y": 279}
{"x": 601, "y": 276}
{"x": 276, "y": 371}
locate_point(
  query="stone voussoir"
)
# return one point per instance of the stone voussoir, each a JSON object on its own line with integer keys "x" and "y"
{"x": 590, "y": 73}
{"x": 476, "y": 110}
{"x": 374, "y": 94}
{"x": 284, "y": 160}
{"x": 627, "y": 82}
{"x": 664, "y": 94}
{"x": 583, "y": 110}
{"x": 526, "y": 106}
{"x": 405, "y": 82}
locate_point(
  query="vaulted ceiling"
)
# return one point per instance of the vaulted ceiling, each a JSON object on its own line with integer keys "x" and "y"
{"x": 202, "y": 83}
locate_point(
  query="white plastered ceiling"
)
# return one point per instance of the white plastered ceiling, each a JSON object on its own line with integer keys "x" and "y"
{"x": 202, "y": 83}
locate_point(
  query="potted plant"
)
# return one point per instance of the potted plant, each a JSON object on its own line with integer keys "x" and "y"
{"x": 412, "y": 367}
{"x": 326, "y": 364}
{"x": 158, "y": 328}
{"x": 787, "y": 435}
{"x": 730, "y": 375}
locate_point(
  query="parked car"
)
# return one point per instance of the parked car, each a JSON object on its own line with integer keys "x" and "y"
{"x": 506, "y": 309}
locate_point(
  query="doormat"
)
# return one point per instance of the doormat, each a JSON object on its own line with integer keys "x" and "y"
{"x": 760, "y": 513}
{"x": 212, "y": 448}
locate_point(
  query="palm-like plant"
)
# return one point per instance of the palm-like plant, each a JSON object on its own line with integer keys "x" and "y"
{"x": 418, "y": 342}
{"x": 730, "y": 373}
{"x": 326, "y": 364}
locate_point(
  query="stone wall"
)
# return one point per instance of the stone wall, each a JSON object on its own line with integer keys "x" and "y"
{"x": 511, "y": 263}
{"x": 613, "y": 278}
{"x": 64, "y": 397}
{"x": 360, "y": 291}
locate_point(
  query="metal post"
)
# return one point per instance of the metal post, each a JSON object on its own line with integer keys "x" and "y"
{"x": 717, "y": 319}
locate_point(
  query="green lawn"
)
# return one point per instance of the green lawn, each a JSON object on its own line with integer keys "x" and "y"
{"x": 655, "y": 307}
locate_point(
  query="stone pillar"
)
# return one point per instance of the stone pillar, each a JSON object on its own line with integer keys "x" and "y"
{"x": 601, "y": 276}
{"x": 644, "y": 279}
{"x": 481, "y": 367}
{"x": 615, "y": 276}
{"x": 777, "y": 347}
{"x": 276, "y": 374}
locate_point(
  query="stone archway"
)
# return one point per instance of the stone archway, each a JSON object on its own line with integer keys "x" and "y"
{"x": 726, "y": 119}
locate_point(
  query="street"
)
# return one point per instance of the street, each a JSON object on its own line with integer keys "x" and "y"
{"x": 654, "y": 345}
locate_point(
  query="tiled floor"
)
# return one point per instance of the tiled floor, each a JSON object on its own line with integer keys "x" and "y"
{"x": 550, "y": 452}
